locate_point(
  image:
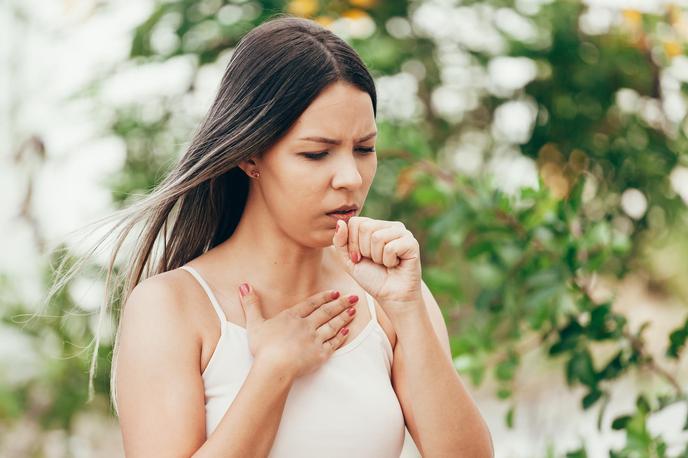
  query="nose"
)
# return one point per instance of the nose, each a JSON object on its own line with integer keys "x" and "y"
{"x": 346, "y": 173}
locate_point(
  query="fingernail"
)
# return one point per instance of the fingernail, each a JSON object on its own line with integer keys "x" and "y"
{"x": 335, "y": 294}
{"x": 244, "y": 289}
{"x": 345, "y": 331}
{"x": 353, "y": 298}
{"x": 351, "y": 311}
{"x": 357, "y": 257}
{"x": 336, "y": 227}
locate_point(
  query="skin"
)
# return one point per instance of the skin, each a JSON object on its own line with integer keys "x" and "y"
{"x": 284, "y": 236}
{"x": 288, "y": 244}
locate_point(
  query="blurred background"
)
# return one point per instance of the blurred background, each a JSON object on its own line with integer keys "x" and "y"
{"x": 536, "y": 148}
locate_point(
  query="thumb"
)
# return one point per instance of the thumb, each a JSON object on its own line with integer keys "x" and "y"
{"x": 251, "y": 304}
{"x": 340, "y": 241}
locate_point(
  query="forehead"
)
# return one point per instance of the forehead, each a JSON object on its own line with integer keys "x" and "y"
{"x": 340, "y": 111}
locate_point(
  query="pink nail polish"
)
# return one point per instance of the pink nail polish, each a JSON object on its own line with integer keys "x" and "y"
{"x": 244, "y": 289}
{"x": 351, "y": 311}
{"x": 353, "y": 299}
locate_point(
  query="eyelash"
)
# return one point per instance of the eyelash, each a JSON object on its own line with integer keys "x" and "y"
{"x": 317, "y": 156}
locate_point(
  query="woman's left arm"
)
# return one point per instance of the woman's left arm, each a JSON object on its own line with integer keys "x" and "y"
{"x": 384, "y": 258}
{"x": 439, "y": 412}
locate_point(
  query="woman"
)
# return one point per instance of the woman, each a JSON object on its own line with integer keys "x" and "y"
{"x": 277, "y": 321}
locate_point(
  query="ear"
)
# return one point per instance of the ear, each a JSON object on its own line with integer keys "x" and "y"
{"x": 248, "y": 166}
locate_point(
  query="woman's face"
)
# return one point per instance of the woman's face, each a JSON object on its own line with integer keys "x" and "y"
{"x": 301, "y": 179}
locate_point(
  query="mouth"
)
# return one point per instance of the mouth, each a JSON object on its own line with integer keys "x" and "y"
{"x": 342, "y": 214}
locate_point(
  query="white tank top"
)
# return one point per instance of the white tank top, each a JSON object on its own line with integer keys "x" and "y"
{"x": 345, "y": 408}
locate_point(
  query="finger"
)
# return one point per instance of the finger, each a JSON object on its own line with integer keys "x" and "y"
{"x": 389, "y": 255}
{"x": 334, "y": 343}
{"x": 250, "y": 302}
{"x": 354, "y": 251}
{"x": 330, "y": 310}
{"x": 365, "y": 229}
{"x": 332, "y": 327}
{"x": 380, "y": 238}
{"x": 402, "y": 249}
{"x": 311, "y": 303}
{"x": 340, "y": 242}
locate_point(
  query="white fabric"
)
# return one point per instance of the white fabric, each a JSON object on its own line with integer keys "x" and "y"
{"x": 345, "y": 408}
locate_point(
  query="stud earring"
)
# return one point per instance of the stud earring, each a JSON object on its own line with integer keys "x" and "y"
{"x": 255, "y": 174}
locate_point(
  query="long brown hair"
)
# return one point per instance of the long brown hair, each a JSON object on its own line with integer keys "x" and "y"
{"x": 274, "y": 73}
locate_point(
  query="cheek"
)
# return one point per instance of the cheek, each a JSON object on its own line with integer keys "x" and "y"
{"x": 368, "y": 172}
{"x": 298, "y": 198}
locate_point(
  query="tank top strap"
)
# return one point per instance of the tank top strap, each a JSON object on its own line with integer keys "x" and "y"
{"x": 208, "y": 291}
{"x": 371, "y": 306}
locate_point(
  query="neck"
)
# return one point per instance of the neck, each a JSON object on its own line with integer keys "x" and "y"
{"x": 279, "y": 268}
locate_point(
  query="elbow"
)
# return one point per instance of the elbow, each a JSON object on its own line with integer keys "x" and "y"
{"x": 485, "y": 449}
{"x": 488, "y": 449}
{"x": 482, "y": 448}
{"x": 475, "y": 449}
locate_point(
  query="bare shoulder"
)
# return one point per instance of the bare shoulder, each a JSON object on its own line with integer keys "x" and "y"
{"x": 159, "y": 388}
{"x": 156, "y": 306}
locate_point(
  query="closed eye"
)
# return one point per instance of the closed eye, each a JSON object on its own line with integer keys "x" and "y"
{"x": 316, "y": 156}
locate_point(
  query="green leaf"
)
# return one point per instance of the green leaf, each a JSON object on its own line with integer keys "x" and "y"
{"x": 509, "y": 418}
{"x": 591, "y": 398}
{"x": 677, "y": 340}
{"x": 580, "y": 368}
{"x": 568, "y": 337}
{"x": 620, "y": 422}
{"x": 506, "y": 369}
{"x": 580, "y": 453}
{"x": 642, "y": 404}
{"x": 614, "y": 367}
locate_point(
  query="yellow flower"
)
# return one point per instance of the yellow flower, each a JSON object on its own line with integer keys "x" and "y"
{"x": 633, "y": 17}
{"x": 355, "y": 14}
{"x": 363, "y": 3}
{"x": 324, "y": 21}
{"x": 303, "y": 8}
{"x": 672, "y": 48}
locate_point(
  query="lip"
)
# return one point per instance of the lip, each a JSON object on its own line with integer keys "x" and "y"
{"x": 343, "y": 216}
{"x": 352, "y": 207}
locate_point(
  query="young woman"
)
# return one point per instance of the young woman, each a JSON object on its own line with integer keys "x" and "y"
{"x": 277, "y": 321}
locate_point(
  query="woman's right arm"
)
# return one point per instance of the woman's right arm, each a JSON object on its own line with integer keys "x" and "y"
{"x": 160, "y": 394}
{"x": 251, "y": 422}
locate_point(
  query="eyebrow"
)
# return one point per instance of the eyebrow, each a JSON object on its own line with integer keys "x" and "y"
{"x": 330, "y": 141}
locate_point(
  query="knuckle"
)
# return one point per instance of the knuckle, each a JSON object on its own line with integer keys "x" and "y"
{"x": 344, "y": 304}
{"x": 327, "y": 350}
{"x": 345, "y": 315}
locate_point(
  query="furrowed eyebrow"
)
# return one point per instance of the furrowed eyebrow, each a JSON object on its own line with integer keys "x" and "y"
{"x": 330, "y": 141}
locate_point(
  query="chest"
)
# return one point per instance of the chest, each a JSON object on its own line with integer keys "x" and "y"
{"x": 210, "y": 327}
